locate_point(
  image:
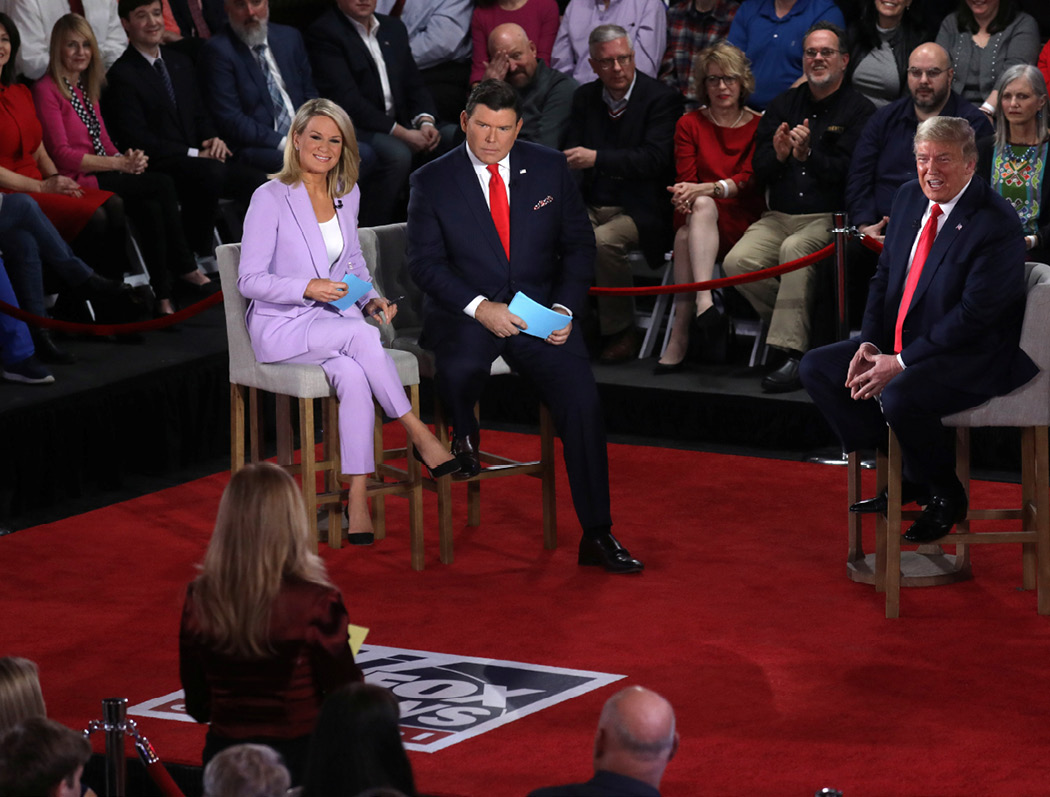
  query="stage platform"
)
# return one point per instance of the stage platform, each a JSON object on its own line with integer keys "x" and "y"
{"x": 129, "y": 419}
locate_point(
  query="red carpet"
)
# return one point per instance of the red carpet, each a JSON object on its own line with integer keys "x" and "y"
{"x": 785, "y": 675}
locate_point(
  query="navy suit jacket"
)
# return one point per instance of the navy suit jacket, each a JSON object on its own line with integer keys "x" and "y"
{"x": 966, "y": 313}
{"x": 455, "y": 254}
{"x": 236, "y": 90}
{"x": 139, "y": 114}
{"x": 214, "y": 15}
{"x": 346, "y": 73}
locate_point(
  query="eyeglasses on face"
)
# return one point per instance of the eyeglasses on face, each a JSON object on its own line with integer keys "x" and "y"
{"x": 714, "y": 80}
{"x": 824, "y": 52}
{"x": 931, "y": 74}
{"x": 607, "y": 63}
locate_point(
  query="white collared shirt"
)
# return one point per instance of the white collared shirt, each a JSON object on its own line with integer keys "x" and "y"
{"x": 481, "y": 170}
{"x": 616, "y": 106}
{"x": 370, "y": 37}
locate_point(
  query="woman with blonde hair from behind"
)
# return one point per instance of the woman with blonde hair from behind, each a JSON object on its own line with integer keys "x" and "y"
{"x": 20, "y": 695}
{"x": 264, "y": 632}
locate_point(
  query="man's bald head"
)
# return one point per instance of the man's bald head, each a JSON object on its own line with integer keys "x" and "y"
{"x": 512, "y": 41}
{"x": 929, "y": 78}
{"x": 636, "y": 735}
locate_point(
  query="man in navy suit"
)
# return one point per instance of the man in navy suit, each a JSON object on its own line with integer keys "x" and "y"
{"x": 152, "y": 102}
{"x": 363, "y": 61}
{"x": 941, "y": 330}
{"x": 487, "y": 220}
{"x": 255, "y": 76}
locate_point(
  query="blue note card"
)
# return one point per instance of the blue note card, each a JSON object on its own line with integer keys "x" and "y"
{"x": 542, "y": 320}
{"x": 355, "y": 289}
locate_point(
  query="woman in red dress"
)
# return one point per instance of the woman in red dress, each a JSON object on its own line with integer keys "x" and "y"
{"x": 715, "y": 196}
{"x": 90, "y": 219}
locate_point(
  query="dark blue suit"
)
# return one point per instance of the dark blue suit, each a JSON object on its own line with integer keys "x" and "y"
{"x": 455, "y": 255}
{"x": 960, "y": 337}
{"x": 237, "y": 95}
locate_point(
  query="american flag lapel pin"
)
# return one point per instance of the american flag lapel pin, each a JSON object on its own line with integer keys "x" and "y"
{"x": 545, "y": 201}
{"x": 958, "y": 226}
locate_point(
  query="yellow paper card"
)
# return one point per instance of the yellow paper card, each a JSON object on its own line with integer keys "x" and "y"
{"x": 357, "y": 637}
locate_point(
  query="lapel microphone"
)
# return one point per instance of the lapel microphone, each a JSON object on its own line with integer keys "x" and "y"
{"x": 339, "y": 205}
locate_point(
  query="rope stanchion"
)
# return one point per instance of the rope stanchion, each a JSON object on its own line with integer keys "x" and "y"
{"x": 115, "y": 724}
{"x": 103, "y": 330}
{"x": 722, "y": 282}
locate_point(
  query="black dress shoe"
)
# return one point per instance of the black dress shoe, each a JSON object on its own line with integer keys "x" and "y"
{"x": 711, "y": 336}
{"x": 47, "y": 351}
{"x": 910, "y": 493}
{"x": 446, "y": 468}
{"x": 98, "y": 287}
{"x": 465, "y": 450}
{"x": 604, "y": 551}
{"x": 936, "y": 519}
{"x": 785, "y": 379}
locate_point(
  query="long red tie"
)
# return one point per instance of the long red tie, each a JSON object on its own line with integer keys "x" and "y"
{"x": 197, "y": 14}
{"x": 922, "y": 251}
{"x": 499, "y": 207}
{"x": 76, "y": 7}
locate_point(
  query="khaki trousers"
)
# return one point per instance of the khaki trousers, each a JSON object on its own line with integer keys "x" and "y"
{"x": 615, "y": 235}
{"x": 786, "y": 302}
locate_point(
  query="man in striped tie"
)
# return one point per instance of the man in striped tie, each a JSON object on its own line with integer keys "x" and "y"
{"x": 941, "y": 328}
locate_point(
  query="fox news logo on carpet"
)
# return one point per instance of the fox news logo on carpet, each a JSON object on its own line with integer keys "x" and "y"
{"x": 445, "y": 698}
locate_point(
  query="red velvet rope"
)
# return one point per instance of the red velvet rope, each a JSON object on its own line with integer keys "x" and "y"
{"x": 872, "y": 244}
{"x": 112, "y": 329}
{"x": 162, "y": 778}
{"x": 723, "y": 282}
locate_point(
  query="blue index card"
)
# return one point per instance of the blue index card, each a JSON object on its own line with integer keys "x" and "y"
{"x": 542, "y": 320}
{"x": 355, "y": 289}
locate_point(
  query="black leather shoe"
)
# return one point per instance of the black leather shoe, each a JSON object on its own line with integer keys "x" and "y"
{"x": 785, "y": 379}
{"x": 605, "y": 551}
{"x": 98, "y": 287}
{"x": 465, "y": 449}
{"x": 446, "y": 468}
{"x": 910, "y": 493}
{"x": 47, "y": 351}
{"x": 936, "y": 519}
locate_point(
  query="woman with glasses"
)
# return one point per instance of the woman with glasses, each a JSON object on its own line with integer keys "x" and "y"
{"x": 715, "y": 196}
{"x": 1014, "y": 160}
{"x": 984, "y": 39}
{"x": 881, "y": 40}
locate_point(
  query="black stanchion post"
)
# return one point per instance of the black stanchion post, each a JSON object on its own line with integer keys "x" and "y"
{"x": 114, "y": 712}
{"x": 842, "y": 304}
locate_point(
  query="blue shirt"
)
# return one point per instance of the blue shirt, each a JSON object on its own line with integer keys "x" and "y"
{"x": 774, "y": 44}
{"x": 438, "y": 30}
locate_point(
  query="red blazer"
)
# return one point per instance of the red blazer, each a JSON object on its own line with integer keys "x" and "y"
{"x": 279, "y": 696}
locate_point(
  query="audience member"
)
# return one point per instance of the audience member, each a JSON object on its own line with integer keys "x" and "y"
{"x": 264, "y": 631}
{"x": 40, "y": 758}
{"x": 246, "y": 770}
{"x": 771, "y": 34}
{"x": 18, "y": 363}
{"x": 439, "y": 35}
{"x": 153, "y": 103}
{"x": 35, "y": 253}
{"x": 644, "y": 20}
{"x": 476, "y": 236}
{"x": 692, "y": 26}
{"x": 1014, "y": 160}
{"x": 941, "y": 328}
{"x": 716, "y": 197}
{"x": 545, "y": 94}
{"x": 621, "y": 139}
{"x": 198, "y": 19}
{"x": 67, "y": 103}
{"x": 20, "y": 694}
{"x": 635, "y": 742}
{"x": 357, "y": 745}
{"x": 881, "y": 40}
{"x": 374, "y": 78}
{"x": 802, "y": 153}
{"x": 985, "y": 38}
{"x": 35, "y": 19}
{"x": 1044, "y": 62}
{"x": 255, "y": 75}
{"x": 539, "y": 18}
{"x": 91, "y": 219}
{"x": 306, "y": 216}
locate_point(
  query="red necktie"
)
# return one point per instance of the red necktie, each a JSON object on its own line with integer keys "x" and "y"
{"x": 498, "y": 206}
{"x": 76, "y": 7}
{"x": 922, "y": 251}
{"x": 197, "y": 13}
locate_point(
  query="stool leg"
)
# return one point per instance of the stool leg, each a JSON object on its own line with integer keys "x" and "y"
{"x": 1029, "y": 551}
{"x": 415, "y": 495}
{"x": 236, "y": 427}
{"x": 443, "y": 488}
{"x": 550, "y": 508}
{"x": 893, "y": 530}
{"x": 474, "y": 488}
{"x": 881, "y": 477}
{"x": 962, "y": 472}
{"x": 855, "y": 550}
{"x": 255, "y": 425}
{"x": 285, "y": 443}
{"x": 378, "y": 501}
{"x": 307, "y": 460}
{"x": 330, "y": 446}
{"x": 1041, "y": 481}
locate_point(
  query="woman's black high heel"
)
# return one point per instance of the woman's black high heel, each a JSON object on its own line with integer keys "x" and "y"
{"x": 444, "y": 469}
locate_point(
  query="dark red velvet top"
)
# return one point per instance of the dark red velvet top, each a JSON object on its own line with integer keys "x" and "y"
{"x": 279, "y": 696}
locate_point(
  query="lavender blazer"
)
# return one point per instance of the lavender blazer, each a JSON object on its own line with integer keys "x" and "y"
{"x": 282, "y": 250}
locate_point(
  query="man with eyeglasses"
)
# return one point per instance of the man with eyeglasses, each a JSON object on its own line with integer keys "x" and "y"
{"x": 802, "y": 152}
{"x": 644, "y": 20}
{"x": 941, "y": 328}
{"x": 621, "y": 140}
